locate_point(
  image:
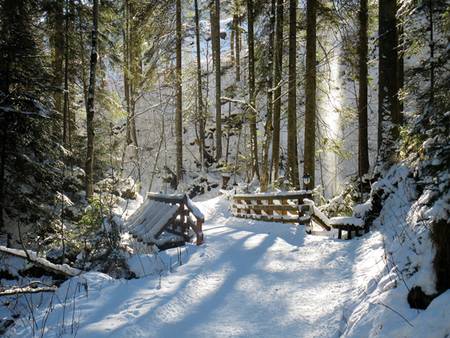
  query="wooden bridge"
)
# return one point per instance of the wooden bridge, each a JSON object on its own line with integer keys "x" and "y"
{"x": 282, "y": 207}
{"x": 292, "y": 207}
{"x": 166, "y": 221}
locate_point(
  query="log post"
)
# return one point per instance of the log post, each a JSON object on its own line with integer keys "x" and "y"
{"x": 199, "y": 231}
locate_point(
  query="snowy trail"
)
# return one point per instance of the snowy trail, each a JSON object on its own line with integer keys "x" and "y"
{"x": 250, "y": 279}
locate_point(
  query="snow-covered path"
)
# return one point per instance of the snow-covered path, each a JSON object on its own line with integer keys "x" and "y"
{"x": 250, "y": 279}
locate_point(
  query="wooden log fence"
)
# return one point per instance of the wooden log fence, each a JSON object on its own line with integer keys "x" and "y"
{"x": 283, "y": 207}
{"x": 292, "y": 207}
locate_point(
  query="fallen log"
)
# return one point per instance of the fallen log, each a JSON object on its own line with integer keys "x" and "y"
{"x": 28, "y": 289}
{"x": 32, "y": 257}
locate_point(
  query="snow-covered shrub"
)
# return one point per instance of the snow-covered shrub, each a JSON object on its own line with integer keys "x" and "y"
{"x": 343, "y": 204}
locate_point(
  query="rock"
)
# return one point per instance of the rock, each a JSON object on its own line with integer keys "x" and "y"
{"x": 418, "y": 299}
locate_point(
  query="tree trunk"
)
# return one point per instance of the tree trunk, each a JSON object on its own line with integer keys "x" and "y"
{"x": 58, "y": 59}
{"x": 232, "y": 40}
{"x": 251, "y": 89}
{"x": 201, "y": 114}
{"x": 91, "y": 104}
{"x": 388, "y": 105}
{"x": 238, "y": 48}
{"x": 292, "y": 165}
{"x": 71, "y": 74}
{"x": 66, "y": 116}
{"x": 268, "y": 126}
{"x": 82, "y": 47}
{"x": 363, "y": 147}
{"x": 432, "y": 61}
{"x": 179, "y": 103}
{"x": 4, "y": 129}
{"x": 126, "y": 69}
{"x": 277, "y": 93}
{"x": 7, "y": 56}
{"x": 134, "y": 71}
{"x": 217, "y": 68}
{"x": 400, "y": 64}
{"x": 310, "y": 92}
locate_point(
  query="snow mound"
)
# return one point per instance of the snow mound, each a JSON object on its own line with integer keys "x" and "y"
{"x": 357, "y": 222}
{"x": 434, "y": 321}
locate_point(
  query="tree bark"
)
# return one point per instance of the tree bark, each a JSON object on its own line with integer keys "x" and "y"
{"x": 91, "y": 104}
{"x": 215, "y": 36}
{"x": 310, "y": 92}
{"x": 432, "y": 61}
{"x": 400, "y": 63}
{"x": 82, "y": 47}
{"x": 232, "y": 41}
{"x": 251, "y": 89}
{"x": 292, "y": 165}
{"x": 179, "y": 102}
{"x": 4, "y": 129}
{"x": 388, "y": 105}
{"x": 134, "y": 59}
{"x": 58, "y": 60}
{"x": 201, "y": 114}
{"x": 66, "y": 116}
{"x": 277, "y": 93}
{"x": 238, "y": 48}
{"x": 126, "y": 69}
{"x": 268, "y": 126}
{"x": 363, "y": 147}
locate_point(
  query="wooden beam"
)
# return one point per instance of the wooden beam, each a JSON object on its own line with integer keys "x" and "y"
{"x": 268, "y": 208}
{"x": 320, "y": 222}
{"x": 173, "y": 198}
{"x": 287, "y": 196}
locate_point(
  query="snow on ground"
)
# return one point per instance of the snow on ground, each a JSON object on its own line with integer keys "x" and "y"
{"x": 250, "y": 278}
{"x": 383, "y": 310}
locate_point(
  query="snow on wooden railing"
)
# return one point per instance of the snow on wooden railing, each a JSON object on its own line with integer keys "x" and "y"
{"x": 342, "y": 223}
{"x": 272, "y": 207}
{"x": 290, "y": 207}
{"x": 317, "y": 215}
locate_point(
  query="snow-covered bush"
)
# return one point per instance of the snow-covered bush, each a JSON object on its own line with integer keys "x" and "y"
{"x": 355, "y": 191}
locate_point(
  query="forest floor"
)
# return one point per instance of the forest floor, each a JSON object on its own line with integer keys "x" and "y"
{"x": 249, "y": 279}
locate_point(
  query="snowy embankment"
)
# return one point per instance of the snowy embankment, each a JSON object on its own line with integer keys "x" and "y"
{"x": 249, "y": 279}
{"x": 383, "y": 310}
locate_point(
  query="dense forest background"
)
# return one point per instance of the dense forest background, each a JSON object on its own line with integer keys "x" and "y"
{"x": 104, "y": 101}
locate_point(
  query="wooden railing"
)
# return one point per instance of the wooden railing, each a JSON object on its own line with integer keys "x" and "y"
{"x": 292, "y": 207}
{"x": 275, "y": 207}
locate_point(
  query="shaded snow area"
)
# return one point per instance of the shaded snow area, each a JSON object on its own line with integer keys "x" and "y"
{"x": 249, "y": 279}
